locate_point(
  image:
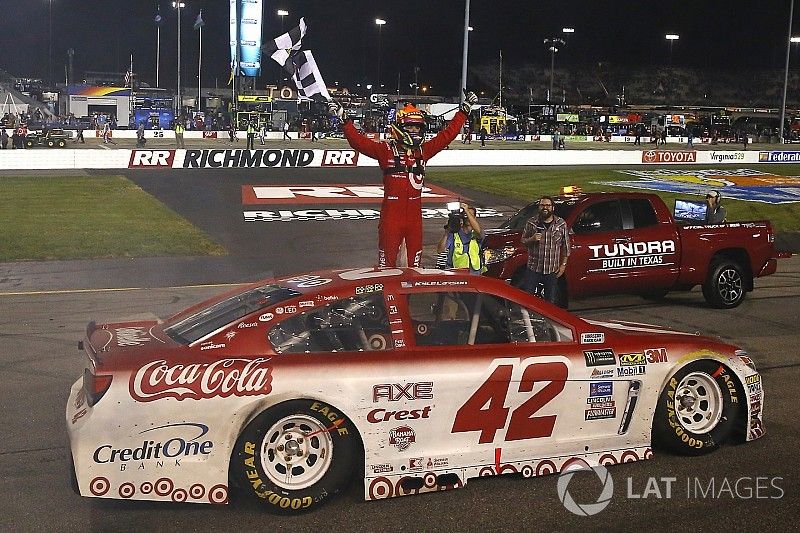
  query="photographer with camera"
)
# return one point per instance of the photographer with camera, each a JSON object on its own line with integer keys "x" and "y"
{"x": 461, "y": 240}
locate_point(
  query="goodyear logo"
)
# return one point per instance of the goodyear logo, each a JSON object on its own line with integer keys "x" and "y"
{"x": 632, "y": 359}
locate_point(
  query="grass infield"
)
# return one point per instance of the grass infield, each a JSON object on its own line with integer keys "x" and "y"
{"x": 90, "y": 217}
{"x": 528, "y": 184}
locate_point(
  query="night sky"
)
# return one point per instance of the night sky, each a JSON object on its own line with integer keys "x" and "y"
{"x": 344, "y": 37}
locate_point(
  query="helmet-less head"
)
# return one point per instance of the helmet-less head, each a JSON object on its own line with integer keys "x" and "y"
{"x": 409, "y": 128}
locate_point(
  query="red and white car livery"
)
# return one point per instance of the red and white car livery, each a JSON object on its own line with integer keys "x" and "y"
{"x": 435, "y": 377}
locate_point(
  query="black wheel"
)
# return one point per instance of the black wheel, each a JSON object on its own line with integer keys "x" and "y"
{"x": 28, "y": 144}
{"x": 697, "y": 410}
{"x": 62, "y": 144}
{"x": 295, "y": 456}
{"x": 725, "y": 287}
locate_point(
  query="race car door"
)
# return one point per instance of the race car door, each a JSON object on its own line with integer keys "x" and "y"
{"x": 507, "y": 378}
{"x": 619, "y": 246}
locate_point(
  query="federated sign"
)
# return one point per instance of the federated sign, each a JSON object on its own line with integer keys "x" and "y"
{"x": 740, "y": 184}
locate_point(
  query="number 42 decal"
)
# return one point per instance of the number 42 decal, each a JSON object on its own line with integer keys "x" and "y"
{"x": 476, "y": 415}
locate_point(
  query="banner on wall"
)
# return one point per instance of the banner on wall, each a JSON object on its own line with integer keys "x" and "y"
{"x": 251, "y": 19}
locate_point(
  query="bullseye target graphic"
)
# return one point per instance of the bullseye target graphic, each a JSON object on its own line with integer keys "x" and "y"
{"x": 99, "y": 486}
{"x": 126, "y": 490}
{"x": 380, "y": 488}
{"x": 197, "y": 491}
{"x": 179, "y": 495}
{"x": 146, "y": 487}
{"x": 218, "y": 494}
{"x": 164, "y": 486}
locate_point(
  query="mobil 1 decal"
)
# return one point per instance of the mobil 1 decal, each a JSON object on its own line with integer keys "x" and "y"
{"x": 736, "y": 183}
{"x": 627, "y": 255}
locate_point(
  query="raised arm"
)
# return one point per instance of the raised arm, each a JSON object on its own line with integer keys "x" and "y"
{"x": 359, "y": 142}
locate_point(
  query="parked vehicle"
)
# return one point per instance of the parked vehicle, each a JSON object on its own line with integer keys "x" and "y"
{"x": 51, "y": 138}
{"x": 630, "y": 243}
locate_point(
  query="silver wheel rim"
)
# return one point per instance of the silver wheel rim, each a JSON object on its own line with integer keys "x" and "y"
{"x": 296, "y": 452}
{"x": 698, "y": 403}
{"x": 730, "y": 285}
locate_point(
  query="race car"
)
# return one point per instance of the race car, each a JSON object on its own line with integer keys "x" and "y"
{"x": 282, "y": 388}
{"x": 52, "y": 138}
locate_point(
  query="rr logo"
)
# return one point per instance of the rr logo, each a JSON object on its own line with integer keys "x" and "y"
{"x": 151, "y": 158}
{"x": 339, "y": 158}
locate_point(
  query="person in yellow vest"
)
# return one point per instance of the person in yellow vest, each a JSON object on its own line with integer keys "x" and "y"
{"x": 461, "y": 244}
{"x": 251, "y": 135}
{"x": 179, "y": 129}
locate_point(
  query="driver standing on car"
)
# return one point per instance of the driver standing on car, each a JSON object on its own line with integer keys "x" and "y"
{"x": 402, "y": 160}
{"x": 547, "y": 239}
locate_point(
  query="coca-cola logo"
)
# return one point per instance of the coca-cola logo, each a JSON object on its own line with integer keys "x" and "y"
{"x": 223, "y": 378}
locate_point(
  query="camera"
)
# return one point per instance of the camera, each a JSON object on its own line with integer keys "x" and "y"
{"x": 455, "y": 218}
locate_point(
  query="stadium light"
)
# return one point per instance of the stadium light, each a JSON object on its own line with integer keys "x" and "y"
{"x": 380, "y": 23}
{"x": 553, "y": 44}
{"x": 794, "y": 40}
{"x": 283, "y": 13}
{"x": 786, "y": 74}
{"x": 568, "y": 30}
{"x": 672, "y": 37}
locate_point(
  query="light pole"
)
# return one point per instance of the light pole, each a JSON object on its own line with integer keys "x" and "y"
{"x": 179, "y": 103}
{"x": 786, "y": 72}
{"x": 465, "y": 51}
{"x": 282, "y": 14}
{"x": 380, "y": 23}
{"x": 671, "y": 37}
{"x": 50, "y": 45}
{"x": 554, "y": 44}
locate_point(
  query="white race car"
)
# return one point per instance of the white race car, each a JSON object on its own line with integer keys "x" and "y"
{"x": 281, "y": 388}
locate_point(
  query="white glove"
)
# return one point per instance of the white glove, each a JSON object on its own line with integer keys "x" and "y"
{"x": 470, "y": 99}
{"x": 335, "y": 110}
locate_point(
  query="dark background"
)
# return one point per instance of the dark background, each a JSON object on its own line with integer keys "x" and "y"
{"x": 344, "y": 37}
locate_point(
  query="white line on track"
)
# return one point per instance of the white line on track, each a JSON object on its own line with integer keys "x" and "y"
{"x": 119, "y": 289}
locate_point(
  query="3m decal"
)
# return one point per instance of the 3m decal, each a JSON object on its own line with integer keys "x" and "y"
{"x": 656, "y": 355}
{"x": 485, "y": 410}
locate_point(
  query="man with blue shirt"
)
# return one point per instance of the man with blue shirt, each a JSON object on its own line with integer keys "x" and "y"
{"x": 462, "y": 246}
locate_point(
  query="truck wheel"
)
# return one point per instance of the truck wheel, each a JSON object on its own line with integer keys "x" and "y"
{"x": 295, "y": 456}
{"x": 62, "y": 144}
{"x": 28, "y": 144}
{"x": 725, "y": 286}
{"x": 50, "y": 144}
{"x": 696, "y": 411}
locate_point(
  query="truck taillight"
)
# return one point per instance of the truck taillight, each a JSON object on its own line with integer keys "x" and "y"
{"x": 95, "y": 386}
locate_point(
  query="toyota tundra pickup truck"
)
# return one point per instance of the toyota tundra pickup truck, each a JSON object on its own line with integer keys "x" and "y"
{"x": 630, "y": 243}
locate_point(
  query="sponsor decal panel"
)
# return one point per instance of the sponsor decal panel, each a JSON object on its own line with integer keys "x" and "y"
{"x": 402, "y": 437}
{"x": 753, "y": 384}
{"x": 620, "y": 256}
{"x": 170, "y": 441}
{"x": 132, "y": 336}
{"x": 151, "y": 159}
{"x": 394, "y": 392}
{"x": 631, "y": 364}
{"x": 779, "y": 157}
{"x": 601, "y": 357}
{"x": 381, "y": 469}
{"x": 286, "y": 215}
{"x": 593, "y": 338}
{"x": 669, "y": 156}
{"x": 602, "y": 374}
{"x": 384, "y": 415}
{"x": 737, "y": 183}
{"x": 656, "y": 355}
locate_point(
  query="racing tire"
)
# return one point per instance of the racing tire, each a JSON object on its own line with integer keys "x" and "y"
{"x": 314, "y": 439}
{"x": 725, "y": 287}
{"x": 697, "y": 410}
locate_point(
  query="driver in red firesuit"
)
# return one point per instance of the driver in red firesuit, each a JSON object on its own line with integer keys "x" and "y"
{"x": 403, "y": 160}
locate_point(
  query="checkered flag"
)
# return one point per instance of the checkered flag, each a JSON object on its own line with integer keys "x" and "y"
{"x": 306, "y": 76}
{"x": 282, "y": 47}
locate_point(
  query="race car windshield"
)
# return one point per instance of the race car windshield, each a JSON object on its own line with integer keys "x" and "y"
{"x": 220, "y": 314}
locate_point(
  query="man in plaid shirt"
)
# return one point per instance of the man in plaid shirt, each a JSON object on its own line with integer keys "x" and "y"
{"x": 547, "y": 239}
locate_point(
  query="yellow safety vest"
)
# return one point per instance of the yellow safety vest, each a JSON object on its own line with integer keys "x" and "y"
{"x": 179, "y": 129}
{"x": 472, "y": 259}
